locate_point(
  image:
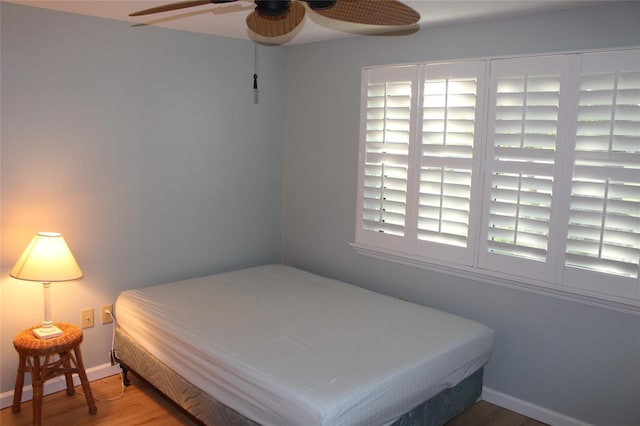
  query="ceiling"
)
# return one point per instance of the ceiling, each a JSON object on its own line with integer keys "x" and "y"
{"x": 227, "y": 20}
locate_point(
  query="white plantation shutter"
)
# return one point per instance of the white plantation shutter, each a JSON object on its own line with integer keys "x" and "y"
{"x": 604, "y": 214}
{"x": 451, "y": 94}
{"x": 524, "y": 171}
{"x": 521, "y": 151}
{"x": 386, "y": 139}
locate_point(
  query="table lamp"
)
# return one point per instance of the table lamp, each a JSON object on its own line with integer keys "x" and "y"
{"x": 46, "y": 259}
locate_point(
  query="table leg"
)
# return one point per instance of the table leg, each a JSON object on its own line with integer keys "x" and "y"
{"x": 64, "y": 357}
{"x": 85, "y": 382}
{"x": 17, "y": 392}
{"x": 37, "y": 376}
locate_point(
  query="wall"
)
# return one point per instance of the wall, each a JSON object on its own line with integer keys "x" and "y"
{"x": 573, "y": 359}
{"x": 144, "y": 148}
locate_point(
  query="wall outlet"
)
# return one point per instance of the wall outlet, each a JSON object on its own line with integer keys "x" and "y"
{"x": 86, "y": 317}
{"x": 106, "y": 318}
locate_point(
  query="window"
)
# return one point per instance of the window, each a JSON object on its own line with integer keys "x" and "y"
{"x": 523, "y": 171}
{"x": 521, "y": 165}
{"x": 451, "y": 97}
{"x": 603, "y": 235}
{"x": 386, "y": 151}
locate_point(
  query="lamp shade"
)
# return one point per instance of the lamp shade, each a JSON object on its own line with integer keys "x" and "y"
{"x": 47, "y": 258}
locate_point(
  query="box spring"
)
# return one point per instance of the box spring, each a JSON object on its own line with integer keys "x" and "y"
{"x": 205, "y": 409}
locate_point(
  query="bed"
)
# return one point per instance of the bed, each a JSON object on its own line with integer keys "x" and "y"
{"x": 275, "y": 345}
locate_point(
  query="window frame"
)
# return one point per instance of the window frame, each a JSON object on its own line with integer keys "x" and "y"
{"x": 547, "y": 280}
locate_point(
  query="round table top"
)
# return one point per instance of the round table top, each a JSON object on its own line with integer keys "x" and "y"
{"x": 26, "y": 343}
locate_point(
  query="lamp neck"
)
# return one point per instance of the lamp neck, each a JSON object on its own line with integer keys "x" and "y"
{"x": 47, "y": 323}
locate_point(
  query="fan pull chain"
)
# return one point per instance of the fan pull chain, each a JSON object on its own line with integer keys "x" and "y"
{"x": 256, "y": 98}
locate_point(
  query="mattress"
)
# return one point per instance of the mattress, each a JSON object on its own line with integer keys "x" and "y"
{"x": 285, "y": 347}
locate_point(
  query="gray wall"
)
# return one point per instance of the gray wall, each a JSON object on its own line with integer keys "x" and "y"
{"x": 144, "y": 148}
{"x": 577, "y": 360}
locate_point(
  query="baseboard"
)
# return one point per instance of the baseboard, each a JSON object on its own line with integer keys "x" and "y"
{"x": 57, "y": 384}
{"x": 527, "y": 409}
{"x": 503, "y": 400}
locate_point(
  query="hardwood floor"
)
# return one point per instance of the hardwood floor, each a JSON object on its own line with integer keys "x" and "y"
{"x": 141, "y": 405}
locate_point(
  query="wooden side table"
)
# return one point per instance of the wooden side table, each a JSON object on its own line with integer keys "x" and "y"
{"x": 49, "y": 358}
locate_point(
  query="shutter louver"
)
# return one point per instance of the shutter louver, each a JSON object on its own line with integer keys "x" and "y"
{"x": 604, "y": 217}
{"x": 525, "y": 134}
{"x": 446, "y": 163}
{"x": 388, "y": 118}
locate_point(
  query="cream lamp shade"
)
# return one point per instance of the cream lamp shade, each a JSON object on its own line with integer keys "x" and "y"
{"x": 47, "y": 259}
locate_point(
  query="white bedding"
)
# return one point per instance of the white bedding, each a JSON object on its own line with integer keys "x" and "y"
{"x": 285, "y": 347}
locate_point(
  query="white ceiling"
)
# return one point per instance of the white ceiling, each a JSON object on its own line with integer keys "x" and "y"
{"x": 227, "y": 20}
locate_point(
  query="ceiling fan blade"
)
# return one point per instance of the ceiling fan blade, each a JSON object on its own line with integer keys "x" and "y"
{"x": 371, "y": 12}
{"x": 274, "y": 26}
{"x": 176, "y": 6}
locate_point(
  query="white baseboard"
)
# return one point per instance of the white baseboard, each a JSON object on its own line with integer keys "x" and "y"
{"x": 503, "y": 400}
{"x": 57, "y": 384}
{"x": 527, "y": 409}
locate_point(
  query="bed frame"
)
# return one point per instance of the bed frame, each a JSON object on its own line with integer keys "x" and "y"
{"x": 206, "y": 410}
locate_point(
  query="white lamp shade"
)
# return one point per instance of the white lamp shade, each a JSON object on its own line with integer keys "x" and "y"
{"x": 47, "y": 258}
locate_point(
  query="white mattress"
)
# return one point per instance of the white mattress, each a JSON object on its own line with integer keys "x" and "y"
{"x": 285, "y": 347}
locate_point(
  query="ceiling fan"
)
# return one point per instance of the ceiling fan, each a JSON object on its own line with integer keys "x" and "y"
{"x": 274, "y": 18}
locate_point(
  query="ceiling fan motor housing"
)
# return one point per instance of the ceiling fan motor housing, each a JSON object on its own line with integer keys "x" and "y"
{"x": 272, "y": 7}
{"x": 321, "y": 4}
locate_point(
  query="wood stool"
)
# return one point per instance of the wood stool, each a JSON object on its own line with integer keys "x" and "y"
{"x": 31, "y": 349}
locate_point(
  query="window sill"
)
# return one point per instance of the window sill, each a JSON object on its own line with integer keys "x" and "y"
{"x": 631, "y": 307}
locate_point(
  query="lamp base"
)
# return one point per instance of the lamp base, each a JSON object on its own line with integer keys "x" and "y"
{"x": 47, "y": 332}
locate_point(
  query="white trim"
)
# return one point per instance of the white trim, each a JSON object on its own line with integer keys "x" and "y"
{"x": 528, "y": 409}
{"x": 491, "y": 277}
{"x": 524, "y": 55}
{"x": 57, "y": 384}
{"x": 503, "y": 400}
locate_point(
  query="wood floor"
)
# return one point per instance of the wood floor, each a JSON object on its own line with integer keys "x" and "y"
{"x": 143, "y": 406}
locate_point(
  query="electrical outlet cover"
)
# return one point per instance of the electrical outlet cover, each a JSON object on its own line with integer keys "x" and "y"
{"x": 106, "y": 318}
{"x": 86, "y": 317}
